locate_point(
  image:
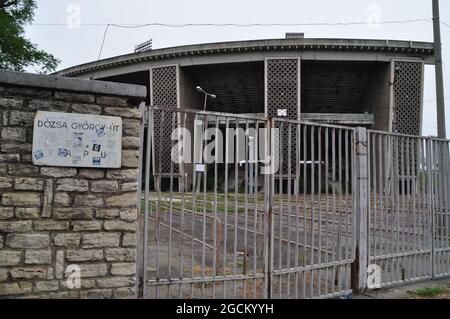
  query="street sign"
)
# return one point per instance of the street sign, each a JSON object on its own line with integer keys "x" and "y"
{"x": 77, "y": 140}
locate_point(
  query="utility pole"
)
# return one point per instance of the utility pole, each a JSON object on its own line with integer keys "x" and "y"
{"x": 438, "y": 71}
{"x": 440, "y": 97}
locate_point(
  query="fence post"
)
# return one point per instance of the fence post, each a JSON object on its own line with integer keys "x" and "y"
{"x": 268, "y": 214}
{"x": 359, "y": 269}
{"x": 140, "y": 286}
{"x": 149, "y": 118}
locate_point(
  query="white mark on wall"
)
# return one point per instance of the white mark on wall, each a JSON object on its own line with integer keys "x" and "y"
{"x": 73, "y": 20}
{"x": 73, "y": 273}
{"x": 373, "y": 16}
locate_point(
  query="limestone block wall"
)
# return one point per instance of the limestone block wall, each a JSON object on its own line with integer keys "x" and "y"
{"x": 53, "y": 217}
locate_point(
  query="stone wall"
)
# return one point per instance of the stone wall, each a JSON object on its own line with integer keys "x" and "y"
{"x": 53, "y": 217}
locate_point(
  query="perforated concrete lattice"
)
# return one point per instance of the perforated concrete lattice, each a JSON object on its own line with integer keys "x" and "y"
{"x": 282, "y": 93}
{"x": 407, "y": 97}
{"x": 407, "y": 107}
{"x": 282, "y": 87}
{"x": 164, "y": 90}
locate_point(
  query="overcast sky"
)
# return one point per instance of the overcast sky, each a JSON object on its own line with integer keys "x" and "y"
{"x": 75, "y": 45}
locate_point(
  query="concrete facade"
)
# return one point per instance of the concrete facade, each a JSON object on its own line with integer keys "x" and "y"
{"x": 377, "y": 84}
{"x": 55, "y": 218}
{"x": 347, "y": 78}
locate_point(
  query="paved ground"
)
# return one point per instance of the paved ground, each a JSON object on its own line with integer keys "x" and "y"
{"x": 194, "y": 240}
{"x": 422, "y": 290}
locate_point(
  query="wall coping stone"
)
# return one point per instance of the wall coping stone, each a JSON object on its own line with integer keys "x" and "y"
{"x": 71, "y": 84}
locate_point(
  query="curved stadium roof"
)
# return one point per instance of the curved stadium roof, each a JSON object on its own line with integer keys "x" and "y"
{"x": 423, "y": 50}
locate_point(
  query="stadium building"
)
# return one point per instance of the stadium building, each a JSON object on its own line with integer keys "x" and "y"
{"x": 377, "y": 84}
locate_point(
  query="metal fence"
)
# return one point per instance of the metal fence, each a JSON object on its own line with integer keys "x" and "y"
{"x": 408, "y": 207}
{"x": 312, "y": 237}
{"x": 249, "y": 207}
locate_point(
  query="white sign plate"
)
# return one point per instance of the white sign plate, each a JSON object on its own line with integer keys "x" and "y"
{"x": 282, "y": 112}
{"x": 77, "y": 140}
{"x": 199, "y": 167}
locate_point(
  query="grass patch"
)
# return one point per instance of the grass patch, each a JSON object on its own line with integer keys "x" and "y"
{"x": 431, "y": 292}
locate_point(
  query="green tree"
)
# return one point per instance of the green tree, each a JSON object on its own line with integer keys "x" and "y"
{"x": 17, "y": 52}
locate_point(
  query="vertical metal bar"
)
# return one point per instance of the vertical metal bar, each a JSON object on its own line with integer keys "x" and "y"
{"x": 280, "y": 206}
{"x": 444, "y": 193}
{"x": 441, "y": 227}
{"x": 194, "y": 190}
{"x": 289, "y": 172}
{"x": 445, "y": 165}
{"x": 373, "y": 207}
{"x": 327, "y": 240}
{"x": 216, "y": 252}
{"x": 205, "y": 178}
{"x": 431, "y": 205}
{"x": 422, "y": 203}
{"x": 384, "y": 213}
{"x": 305, "y": 211}
{"x": 397, "y": 148}
{"x": 355, "y": 206}
{"x": 255, "y": 203}
{"x": 339, "y": 239}
{"x": 438, "y": 211}
{"x": 440, "y": 222}
{"x": 297, "y": 204}
{"x": 387, "y": 189}
{"x": 140, "y": 284}
{"x": 319, "y": 191}
{"x": 347, "y": 230}
{"x": 183, "y": 207}
{"x": 400, "y": 269}
{"x": 360, "y": 278}
{"x": 409, "y": 259}
{"x": 333, "y": 174}
{"x": 414, "y": 167}
{"x": 158, "y": 209}
{"x": 270, "y": 215}
{"x": 405, "y": 260}
{"x": 236, "y": 190}
{"x": 169, "y": 250}
{"x": 245, "y": 207}
{"x": 225, "y": 205}
{"x": 146, "y": 203}
{"x": 268, "y": 198}
{"x": 311, "y": 273}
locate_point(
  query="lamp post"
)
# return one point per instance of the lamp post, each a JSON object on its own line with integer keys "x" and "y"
{"x": 213, "y": 96}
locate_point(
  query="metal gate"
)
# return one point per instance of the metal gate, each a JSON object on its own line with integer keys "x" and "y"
{"x": 408, "y": 230}
{"x": 239, "y": 206}
{"x": 312, "y": 209}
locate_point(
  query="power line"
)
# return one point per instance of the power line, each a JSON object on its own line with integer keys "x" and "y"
{"x": 187, "y": 25}
{"x": 434, "y": 100}
{"x": 103, "y": 41}
{"x": 101, "y": 47}
{"x": 432, "y": 126}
